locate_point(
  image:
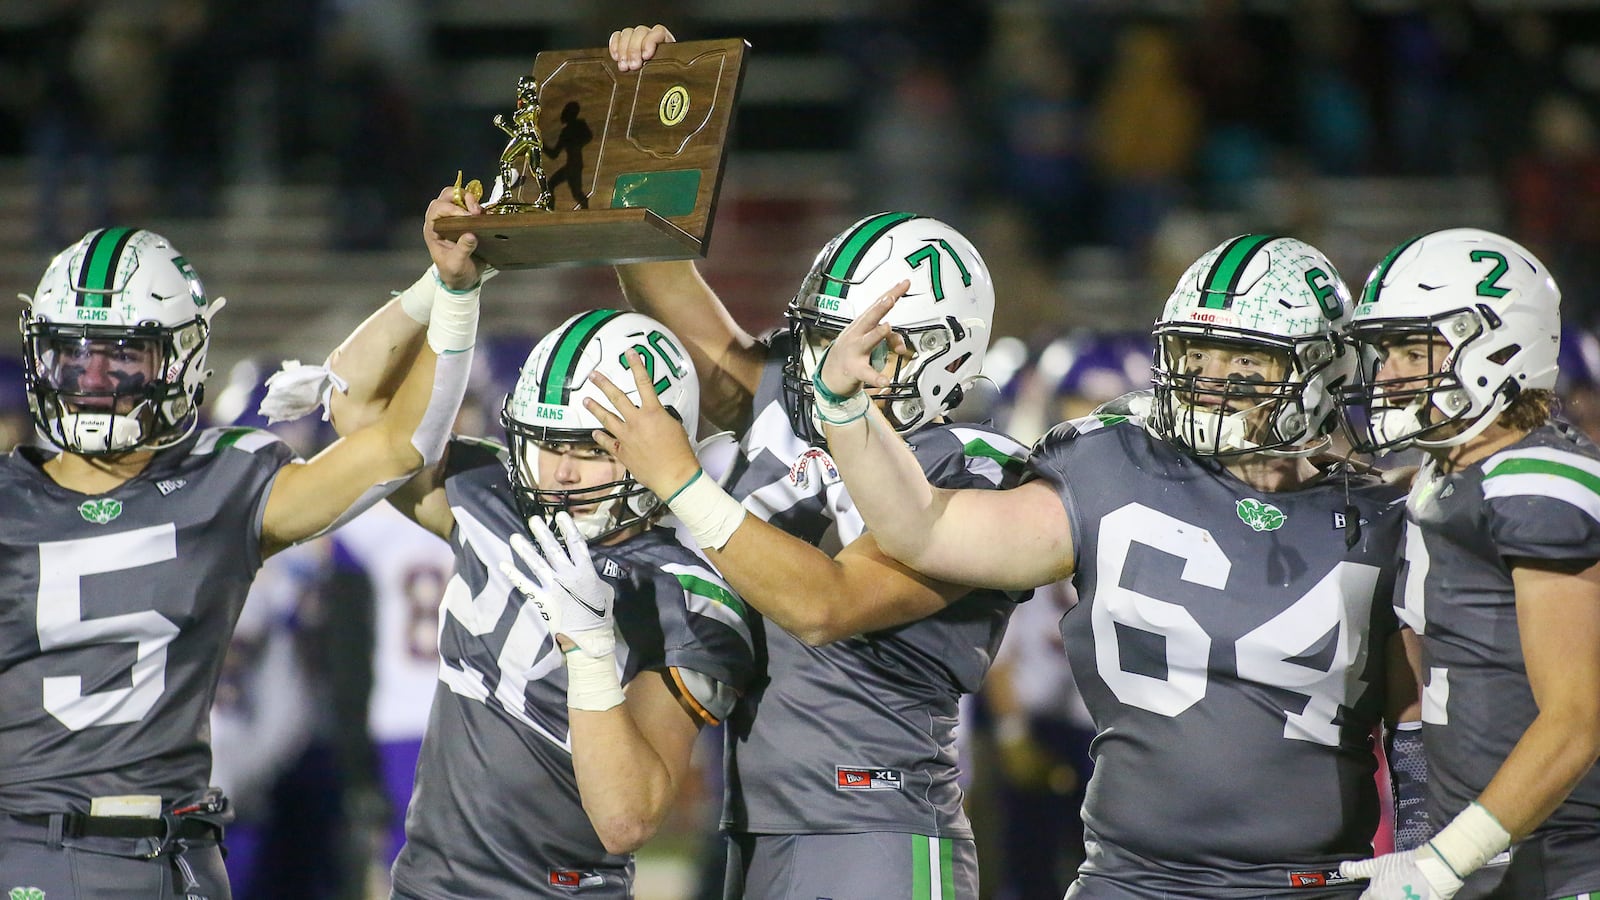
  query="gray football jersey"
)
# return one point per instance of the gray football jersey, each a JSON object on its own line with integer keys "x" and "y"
{"x": 1538, "y": 499}
{"x": 858, "y": 735}
{"x": 495, "y": 811}
{"x": 115, "y": 613}
{"x": 1229, "y": 650}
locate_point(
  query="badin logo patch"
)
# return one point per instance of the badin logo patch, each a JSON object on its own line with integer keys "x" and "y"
{"x": 853, "y": 779}
{"x": 100, "y": 511}
{"x": 169, "y": 485}
{"x": 1259, "y": 516}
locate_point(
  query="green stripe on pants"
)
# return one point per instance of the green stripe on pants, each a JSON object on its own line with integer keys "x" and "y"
{"x": 932, "y": 868}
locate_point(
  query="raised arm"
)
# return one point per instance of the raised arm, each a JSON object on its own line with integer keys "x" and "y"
{"x": 375, "y": 358}
{"x": 1014, "y": 539}
{"x": 811, "y": 595}
{"x": 409, "y": 432}
{"x": 727, "y": 357}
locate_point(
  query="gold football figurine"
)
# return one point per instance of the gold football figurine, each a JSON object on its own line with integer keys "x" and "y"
{"x": 526, "y": 141}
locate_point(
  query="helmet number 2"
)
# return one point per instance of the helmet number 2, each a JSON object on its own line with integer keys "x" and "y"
{"x": 1490, "y": 285}
{"x": 931, "y": 255}
{"x": 663, "y": 347}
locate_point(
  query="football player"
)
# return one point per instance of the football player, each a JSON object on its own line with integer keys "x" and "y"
{"x": 1459, "y": 332}
{"x": 128, "y": 546}
{"x": 570, "y": 690}
{"x": 1229, "y": 642}
{"x": 843, "y": 778}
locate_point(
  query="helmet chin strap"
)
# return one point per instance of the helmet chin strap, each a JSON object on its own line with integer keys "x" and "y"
{"x": 102, "y": 432}
{"x": 1208, "y": 432}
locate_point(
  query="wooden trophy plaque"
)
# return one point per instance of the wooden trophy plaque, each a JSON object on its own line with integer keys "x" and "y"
{"x": 604, "y": 166}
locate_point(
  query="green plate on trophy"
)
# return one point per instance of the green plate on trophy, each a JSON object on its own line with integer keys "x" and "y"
{"x": 603, "y": 166}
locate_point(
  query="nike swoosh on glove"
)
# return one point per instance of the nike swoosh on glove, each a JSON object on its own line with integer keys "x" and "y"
{"x": 1419, "y": 874}
{"x": 570, "y": 594}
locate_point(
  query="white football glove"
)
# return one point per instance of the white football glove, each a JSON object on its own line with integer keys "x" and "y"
{"x": 295, "y": 391}
{"x": 1418, "y": 874}
{"x": 565, "y": 586}
{"x": 1435, "y": 870}
{"x": 572, "y": 597}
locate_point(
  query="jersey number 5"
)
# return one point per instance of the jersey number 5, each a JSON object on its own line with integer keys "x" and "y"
{"x": 62, "y": 626}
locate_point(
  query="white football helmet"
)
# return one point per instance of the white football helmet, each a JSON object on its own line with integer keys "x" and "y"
{"x": 1493, "y": 312}
{"x": 115, "y": 341}
{"x": 546, "y": 407}
{"x": 1258, "y": 292}
{"x": 945, "y": 318}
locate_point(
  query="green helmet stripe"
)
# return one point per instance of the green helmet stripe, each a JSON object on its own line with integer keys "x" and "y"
{"x": 854, "y": 247}
{"x": 1369, "y": 293}
{"x": 554, "y": 382}
{"x": 1222, "y": 282}
{"x": 100, "y": 264}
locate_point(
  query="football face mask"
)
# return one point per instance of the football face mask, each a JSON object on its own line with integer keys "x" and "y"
{"x": 115, "y": 343}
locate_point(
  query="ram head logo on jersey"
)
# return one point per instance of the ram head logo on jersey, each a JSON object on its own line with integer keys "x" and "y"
{"x": 1259, "y": 516}
{"x": 100, "y": 511}
{"x": 26, "y": 893}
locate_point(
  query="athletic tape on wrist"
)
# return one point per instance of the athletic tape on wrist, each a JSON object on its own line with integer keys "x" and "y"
{"x": 833, "y": 408}
{"x": 592, "y": 681}
{"x": 1470, "y": 840}
{"x": 453, "y": 323}
{"x": 417, "y": 300}
{"x": 710, "y": 514}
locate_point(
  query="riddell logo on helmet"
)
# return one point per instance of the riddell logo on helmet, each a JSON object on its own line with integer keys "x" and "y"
{"x": 1210, "y": 317}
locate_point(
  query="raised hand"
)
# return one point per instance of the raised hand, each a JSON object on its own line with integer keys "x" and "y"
{"x": 631, "y": 47}
{"x": 570, "y": 594}
{"x": 857, "y": 357}
{"x": 457, "y": 269}
{"x": 647, "y": 439}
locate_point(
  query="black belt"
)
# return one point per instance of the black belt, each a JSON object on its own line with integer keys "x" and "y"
{"x": 75, "y": 825}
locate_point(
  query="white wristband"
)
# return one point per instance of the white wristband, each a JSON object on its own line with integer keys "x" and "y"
{"x": 453, "y": 322}
{"x": 417, "y": 300}
{"x": 1471, "y": 839}
{"x": 710, "y": 514}
{"x": 592, "y": 681}
{"x": 851, "y": 409}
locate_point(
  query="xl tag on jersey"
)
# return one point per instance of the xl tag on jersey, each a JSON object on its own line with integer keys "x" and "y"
{"x": 868, "y": 779}
{"x": 1320, "y": 878}
{"x": 574, "y": 878}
